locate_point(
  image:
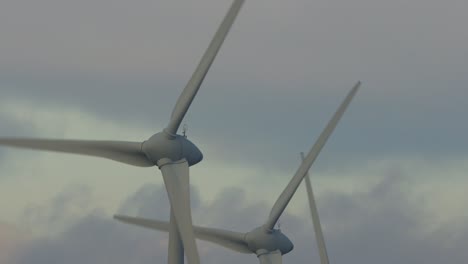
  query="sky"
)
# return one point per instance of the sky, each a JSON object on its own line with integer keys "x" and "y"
{"x": 390, "y": 183}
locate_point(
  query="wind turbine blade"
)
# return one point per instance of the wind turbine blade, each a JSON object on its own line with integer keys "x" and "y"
{"x": 191, "y": 89}
{"x": 289, "y": 191}
{"x": 225, "y": 238}
{"x": 121, "y": 151}
{"x": 175, "y": 249}
{"x": 147, "y": 223}
{"x": 228, "y": 239}
{"x": 176, "y": 179}
{"x": 274, "y": 257}
{"x": 316, "y": 220}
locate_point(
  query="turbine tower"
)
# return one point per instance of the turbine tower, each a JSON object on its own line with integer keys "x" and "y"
{"x": 172, "y": 153}
{"x": 267, "y": 243}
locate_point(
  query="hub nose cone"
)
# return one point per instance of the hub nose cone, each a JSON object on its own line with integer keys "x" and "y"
{"x": 283, "y": 244}
{"x": 269, "y": 240}
{"x": 191, "y": 152}
{"x": 286, "y": 245}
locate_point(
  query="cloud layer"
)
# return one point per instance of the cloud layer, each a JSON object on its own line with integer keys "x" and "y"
{"x": 385, "y": 223}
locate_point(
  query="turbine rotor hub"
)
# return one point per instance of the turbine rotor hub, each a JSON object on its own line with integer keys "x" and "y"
{"x": 160, "y": 146}
{"x": 259, "y": 240}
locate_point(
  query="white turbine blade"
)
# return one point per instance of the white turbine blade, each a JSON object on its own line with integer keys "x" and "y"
{"x": 289, "y": 191}
{"x": 186, "y": 98}
{"x": 228, "y": 239}
{"x": 176, "y": 179}
{"x": 121, "y": 151}
{"x": 316, "y": 220}
{"x": 274, "y": 257}
{"x": 175, "y": 249}
{"x": 225, "y": 238}
{"x": 148, "y": 223}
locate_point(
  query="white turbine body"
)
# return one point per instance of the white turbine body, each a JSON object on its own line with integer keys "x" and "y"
{"x": 267, "y": 243}
{"x": 172, "y": 153}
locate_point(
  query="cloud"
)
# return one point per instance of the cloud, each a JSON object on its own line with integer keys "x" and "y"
{"x": 94, "y": 239}
{"x": 384, "y": 223}
{"x": 388, "y": 225}
{"x": 151, "y": 201}
{"x": 66, "y": 208}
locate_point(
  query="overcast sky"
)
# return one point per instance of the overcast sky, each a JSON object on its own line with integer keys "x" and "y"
{"x": 390, "y": 183}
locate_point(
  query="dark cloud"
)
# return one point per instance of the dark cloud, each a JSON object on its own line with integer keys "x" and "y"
{"x": 64, "y": 209}
{"x": 83, "y": 233}
{"x": 95, "y": 239}
{"x": 151, "y": 201}
{"x": 388, "y": 224}
{"x": 384, "y": 224}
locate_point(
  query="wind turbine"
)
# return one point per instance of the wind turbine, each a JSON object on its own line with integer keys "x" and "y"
{"x": 172, "y": 153}
{"x": 268, "y": 243}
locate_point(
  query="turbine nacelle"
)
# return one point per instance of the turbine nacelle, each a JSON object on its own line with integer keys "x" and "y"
{"x": 174, "y": 148}
{"x": 261, "y": 240}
